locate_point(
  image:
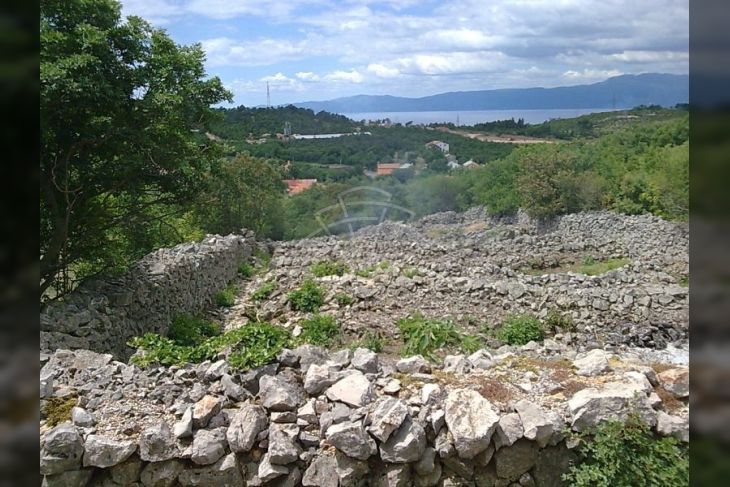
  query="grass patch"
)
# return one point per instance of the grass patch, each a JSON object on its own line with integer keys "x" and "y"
{"x": 422, "y": 336}
{"x": 629, "y": 454}
{"x": 57, "y": 410}
{"x": 227, "y": 297}
{"x": 520, "y": 329}
{"x": 592, "y": 267}
{"x": 411, "y": 272}
{"x": 329, "y": 268}
{"x": 252, "y": 345}
{"x": 308, "y": 297}
{"x": 684, "y": 281}
{"x": 262, "y": 259}
{"x": 371, "y": 340}
{"x": 245, "y": 269}
{"x": 344, "y": 299}
{"x": 372, "y": 269}
{"x": 264, "y": 291}
{"x": 557, "y": 322}
{"x": 188, "y": 330}
{"x": 319, "y": 330}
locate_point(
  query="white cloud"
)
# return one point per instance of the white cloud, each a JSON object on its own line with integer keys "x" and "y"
{"x": 382, "y": 71}
{"x": 592, "y": 74}
{"x": 307, "y": 76}
{"x": 352, "y": 76}
{"x": 224, "y": 51}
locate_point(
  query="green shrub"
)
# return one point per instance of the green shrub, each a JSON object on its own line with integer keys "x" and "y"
{"x": 371, "y": 340}
{"x": 423, "y": 336}
{"x": 227, "y": 297}
{"x": 190, "y": 330}
{"x": 344, "y": 299}
{"x": 245, "y": 269}
{"x": 628, "y": 454}
{"x": 252, "y": 345}
{"x": 520, "y": 329}
{"x": 329, "y": 268}
{"x": 558, "y": 322}
{"x": 319, "y": 330}
{"x": 264, "y": 291}
{"x": 308, "y": 297}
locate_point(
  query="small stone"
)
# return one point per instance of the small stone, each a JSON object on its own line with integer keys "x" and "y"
{"x": 387, "y": 416}
{"x": 104, "y": 452}
{"x": 321, "y": 472}
{"x": 676, "y": 381}
{"x": 317, "y": 379}
{"x": 184, "y": 427}
{"x": 365, "y": 361}
{"x": 412, "y": 365}
{"x": 81, "y": 417}
{"x": 481, "y": 359}
{"x": 157, "y": 444}
{"x": 232, "y": 390}
{"x": 456, "y": 364}
{"x": 406, "y": 444}
{"x": 513, "y": 461}
{"x": 392, "y": 387}
{"x": 592, "y": 363}
{"x": 535, "y": 423}
{"x": 62, "y": 450}
{"x": 204, "y": 409}
{"x": 509, "y": 429}
{"x": 278, "y": 394}
{"x": 283, "y": 447}
{"x": 161, "y": 474}
{"x": 675, "y": 426}
{"x": 216, "y": 370}
{"x": 225, "y": 472}
{"x": 430, "y": 393}
{"x": 268, "y": 471}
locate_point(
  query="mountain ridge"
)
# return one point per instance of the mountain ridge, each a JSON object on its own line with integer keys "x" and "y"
{"x": 624, "y": 91}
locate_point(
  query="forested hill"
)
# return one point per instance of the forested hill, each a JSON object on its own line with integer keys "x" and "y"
{"x": 620, "y": 92}
{"x": 240, "y": 122}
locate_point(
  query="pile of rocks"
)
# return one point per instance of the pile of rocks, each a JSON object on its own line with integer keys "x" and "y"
{"x": 103, "y": 314}
{"x": 347, "y": 418}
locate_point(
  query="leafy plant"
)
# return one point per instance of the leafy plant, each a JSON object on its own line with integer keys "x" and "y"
{"x": 245, "y": 269}
{"x": 264, "y": 291}
{"x": 520, "y": 329}
{"x": 319, "y": 330}
{"x": 424, "y": 336}
{"x": 308, "y": 297}
{"x": 188, "y": 330}
{"x": 329, "y": 268}
{"x": 371, "y": 340}
{"x": 257, "y": 344}
{"x": 629, "y": 454}
{"x": 557, "y": 322}
{"x": 227, "y": 297}
{"x": 344, "y": 299}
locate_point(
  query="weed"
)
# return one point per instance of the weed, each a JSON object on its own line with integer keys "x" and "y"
{"x": 684, "y": 281}
{"x": 371, "y": 340}
{"x": 227, "y": 297}
{"x": 308, "y": 297}
{"x": 411, "y": 272}
{"x": 629, "y": 454}
{"x": 57, "y": 410}
{"x": 520, "y": 329}
{"x": 190, "y": 330}
{"x": 319, "y": 330}
{"x": 557, "y": 322}
{"x": 262, "y": 259}
{"x": 372, "y": 269}
{"x": 264, "y": 291}
{"x": 344, "y": 299}
{"x": 424, "y": 336}
{"x": 329, "y": 268}
{"x": 246, "y": 270}
{"x": 591, "y": 267}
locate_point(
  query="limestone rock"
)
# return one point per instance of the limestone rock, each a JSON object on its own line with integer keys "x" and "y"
{"x": 365, "y": 361}
{"x": 269, "y": 471}
{"x": 513, "y": 461}
{"x": 184, "y": 427}
{"x": 157, "y": 444}
{"x": 317, "y": 379}
{"x": 205, "y": 409}
{"x": 278, "y": 394}
{"x": 536, "y": 424}
{"x": 81, "y": 417}
{"x": 245, "y": 426}
{"x": 471, "y": 420}
{"x": 226, "y": 472}
{"x": 283, "y": 447}
{"x": 672, "y": 425}
{"x": 161, "y": 474}
{"x": 354, "y": 389}
{"x": 593, "y": 363}
{"x": 509, "y": 429}
{"x": 208, "y": 446}
{"x": 406, "y": 444}
{"x": 413, "y": 365}
{"x": 387, "y": 416}
{"x": 100, "y": 451}
{"x": 351, "y": 439}
{"x": 62, "y": 450}
{"x": 71, "y": 478}
{"x": 675, "y": 381}
{"x": 612, "y": 401}
{"x": 321, "y": 472}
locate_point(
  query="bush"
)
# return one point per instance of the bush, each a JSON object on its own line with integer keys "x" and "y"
{"x": 629, "y": 454}
{"x": 520, "y": 329}
{"x": 190, "y": 330}
{"x": 308, "y": 297}
{"x": 373, "y": 341}
{"x": 344, "y": 299}
{"x": 252, "y": 345}
{"x": 227, "y": 297}
{"x": 423, "y": 336}
{"x": 329, "y": 268}
{"x": 558, "y": 322}
{"x": 245, "y": 269}
{"x": 264, "y": 291}
{"x": 319, "y": 330}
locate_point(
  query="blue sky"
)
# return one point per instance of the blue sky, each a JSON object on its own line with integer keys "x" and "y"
{"x": 322, "y": 49}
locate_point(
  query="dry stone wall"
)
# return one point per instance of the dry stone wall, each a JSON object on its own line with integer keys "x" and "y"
{"x": 102, "y": 315}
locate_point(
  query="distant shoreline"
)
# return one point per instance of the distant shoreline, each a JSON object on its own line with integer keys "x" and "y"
{"x": 471, "y": 117}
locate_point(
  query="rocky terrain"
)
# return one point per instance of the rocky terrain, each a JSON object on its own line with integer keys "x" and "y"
{"x": 504, "y": 415}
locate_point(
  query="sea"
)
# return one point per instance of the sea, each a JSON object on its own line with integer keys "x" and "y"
{"x": 474, "y": 116}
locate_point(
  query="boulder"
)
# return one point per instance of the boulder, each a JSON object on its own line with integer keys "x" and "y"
{"x": 100, "y": 451}
{"x": 386, "y": 416}
{"x": 594, "y": 362}
{"x": 245, "y": 426}
{"x": 208, "y": 446}
{"x": 471, "y": 420}
{"x": 278, "y": 394}
{"x": 354, "y": 389}
{"x": 611, "y": 401}
{"x": 157, "y": 444}
{"x": 62, "y": 450}
{"x": 406, "y": 444}
{"x": 351, "y": 439}
{"x": 413, "y": 365}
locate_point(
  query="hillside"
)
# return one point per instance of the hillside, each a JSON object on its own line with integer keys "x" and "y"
{"x": 624, "y": 91}
{"x": 242, "y": 122}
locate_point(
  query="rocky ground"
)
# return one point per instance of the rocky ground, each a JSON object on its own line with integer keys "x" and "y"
{"x": 503, "y": 415}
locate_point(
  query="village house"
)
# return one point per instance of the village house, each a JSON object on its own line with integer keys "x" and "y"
{"x": 470, "y": 164}
{"x": 295, "y": 186}
{"x": 437, "y": 144}
{"x": 387, "y": 168}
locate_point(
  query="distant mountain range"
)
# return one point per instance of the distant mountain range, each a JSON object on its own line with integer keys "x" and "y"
{"x": 626, "y": 91}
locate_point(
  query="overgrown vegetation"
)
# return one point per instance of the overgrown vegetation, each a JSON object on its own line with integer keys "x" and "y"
{"x": 557, "y": 322}
{"x": 372, "y": 340}
{"x": 593, "y": 267}
{"x": 189, "y": 330}
{"x": 344, "y": 299}
{"x": 227, "y": 297}
{"x": 329, "y": 268}
{"x": 307, "y": 297}
{"x": 57, "y": 410}
{"x": 319, "y": 330}
{"x": 423, "y": 336}
{"x": 246, "y": 269}
{"x": 629, "y": 454}
{"x": 372, "y": 269}
{"x": 264, "y": 291}
{"x": 520, "y": 329}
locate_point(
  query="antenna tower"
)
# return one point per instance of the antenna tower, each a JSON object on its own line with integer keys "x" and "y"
{"x": 268, "y": 96}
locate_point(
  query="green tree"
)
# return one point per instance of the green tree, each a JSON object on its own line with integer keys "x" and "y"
{"x": 547, "y": 183}
{"x": 122, "y": 108}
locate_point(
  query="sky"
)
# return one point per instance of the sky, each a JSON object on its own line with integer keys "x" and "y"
{"x": 323, "y": 49}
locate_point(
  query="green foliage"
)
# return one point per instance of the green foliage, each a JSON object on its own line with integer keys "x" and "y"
{"x": 308, "y": 297}
{"x": 227, "y": 297}
{"x": 520, "y": 329}
{"x": 319, "y": 330}
{"x": 240, "y": 122}
{"x": 121, "y": 110}
{"x": 558, "y": 322}
{"x": 371, "y": 340}
{"x": 329, "y": 268}
{"x": 372, "y": 269}
{"x": 252, "y": 345}
{"x": 422, "y": 336}
{"x": 264, "y": 291}
{"x": 592, "y": 267}
{"x": 411, "y": 272}
{"x": 628, "y": 454}
{"x": 188, "y": 330}
{"x": 57, "y": 410}
{"x": 344, "y": 299}
{"x": 245, "y": 269}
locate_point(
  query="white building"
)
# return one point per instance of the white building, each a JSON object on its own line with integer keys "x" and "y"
{"x": 442, "y": 146}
